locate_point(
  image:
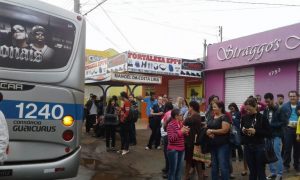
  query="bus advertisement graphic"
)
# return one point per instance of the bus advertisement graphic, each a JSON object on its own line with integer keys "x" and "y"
{"x": 33, "y": 40}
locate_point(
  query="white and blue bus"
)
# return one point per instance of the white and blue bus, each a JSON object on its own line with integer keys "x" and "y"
{"x": 42, "y": 81}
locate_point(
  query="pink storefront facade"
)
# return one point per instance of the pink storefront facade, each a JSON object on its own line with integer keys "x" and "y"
{"x": 255, "y": 64}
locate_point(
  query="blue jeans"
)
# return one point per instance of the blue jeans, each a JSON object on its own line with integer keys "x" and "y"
{"x": 289, "y": 144}
{"x": 175, "y": 164}
{"x": 254, "y": 155}
{"x": 220, "y": 159}
{"x": 165, "y": 143}
{"x": 277, "y": 167}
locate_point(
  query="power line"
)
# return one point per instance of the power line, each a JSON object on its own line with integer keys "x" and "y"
{"x": 255, "y": 3}
{"x": 99, "y": 4}
{"x": 170, "y": 26}
{"x": 115, "y": 25}
{"x": 101, "y": 32}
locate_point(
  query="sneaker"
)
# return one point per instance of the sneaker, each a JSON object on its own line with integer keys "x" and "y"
{"x": 147, "y": 148}
{"x": 278, "y": 177}
{"x": 272, "y": 176}
{"x": 231, "y": 176}
{"x": 125, "y": 152}
{"x": 244, "y": 173}
{"x": 120, "y": 151}
{"x": 158, "y": 147}
{"x": 165, "y": 175}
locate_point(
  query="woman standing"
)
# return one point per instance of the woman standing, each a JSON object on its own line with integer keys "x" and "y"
{"x": 255, "y": 127}
{"x": 176, "y": 132}
{"x": 236, "y": 122}
{"x": 195, "y": 125}
{"x": 110, "y": 123}
{"x": 218, "y": 133}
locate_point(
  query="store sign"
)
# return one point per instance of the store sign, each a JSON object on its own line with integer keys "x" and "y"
{"x": 191, "y": 68}
{"x": 136, "y": 78}
{"x": 147, "y": 63}
{"x": 254, "y": 52}
{"x": 117, "y": 63}
{"x": 271, "y": 46}
{"x": 96, "y": 70}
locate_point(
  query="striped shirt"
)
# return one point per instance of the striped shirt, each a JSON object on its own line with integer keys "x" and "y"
{"x": 175, "y": 136}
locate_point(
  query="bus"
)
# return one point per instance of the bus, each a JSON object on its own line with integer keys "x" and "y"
{"x": 42, "y": 51}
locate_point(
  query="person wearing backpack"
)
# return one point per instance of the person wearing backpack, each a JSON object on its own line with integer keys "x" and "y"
{"x": 124, "y": 123}
{"x": 272, "y": 113}
{"x": 133, "y": 117}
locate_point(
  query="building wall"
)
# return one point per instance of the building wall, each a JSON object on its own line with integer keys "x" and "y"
{"x": 214, "y": 84}
{"x": 277, "y": 78}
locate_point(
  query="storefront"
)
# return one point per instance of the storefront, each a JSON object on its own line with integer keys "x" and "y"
{"x": 180, "y": 77}
{"x": 162, "y": 75}
{"x": 255, "y": 64}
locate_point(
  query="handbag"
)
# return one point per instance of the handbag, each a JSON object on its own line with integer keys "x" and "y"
{"x": 198, "y": 155}
{"x": 111, "y": 119}
{"x": 235, "y": 136}
{"x": 270, "y": 156}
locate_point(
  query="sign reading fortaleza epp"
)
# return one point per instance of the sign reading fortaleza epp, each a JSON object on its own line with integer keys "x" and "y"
{"x": 136, "y": 78}
{"x": 148, "y": 63}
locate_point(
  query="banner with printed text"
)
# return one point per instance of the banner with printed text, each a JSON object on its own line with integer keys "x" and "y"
{"x": 147, "y": 63}
{"x": 136, "y": 78}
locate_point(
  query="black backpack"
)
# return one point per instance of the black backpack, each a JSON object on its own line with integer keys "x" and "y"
{"x": 133, "y": 113}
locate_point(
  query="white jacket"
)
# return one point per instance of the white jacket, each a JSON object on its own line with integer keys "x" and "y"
{"x": 4, "y": 137}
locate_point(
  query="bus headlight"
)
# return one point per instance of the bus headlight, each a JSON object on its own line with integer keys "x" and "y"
{"x": 68, "y": 121}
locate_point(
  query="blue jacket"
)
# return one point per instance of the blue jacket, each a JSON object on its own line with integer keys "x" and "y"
{"x": 236, "y": 119}
{"x": 286, "y": 111}
{"x": 278, "y": 121}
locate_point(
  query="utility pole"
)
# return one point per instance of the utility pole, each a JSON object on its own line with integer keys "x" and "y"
{"x": 77, "y": 6}
{"x": 204, "y": 49}
{"x": 221, "y": 33}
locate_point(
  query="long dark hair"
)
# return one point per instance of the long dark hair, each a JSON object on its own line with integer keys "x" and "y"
{"x": 110, "y": 109}
{"x": 234, "y": 106}
{"x": 174, "y": 113}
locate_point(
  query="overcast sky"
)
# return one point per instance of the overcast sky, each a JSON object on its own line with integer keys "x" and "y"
{"x": 178, "y": 28}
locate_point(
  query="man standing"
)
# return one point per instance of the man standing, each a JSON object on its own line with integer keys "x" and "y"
{"x": 92, "y": 110}
{"x": 124, "y": 124}
{"x": 4, "y": 137}
{"x": 272, "y": 114}
{"x": 280, "y": 100}
{"x": 290, "y": 142}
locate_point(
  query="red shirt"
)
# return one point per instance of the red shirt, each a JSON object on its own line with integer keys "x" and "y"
{"x": 125, "y": 109}
{"x": 175, "y": 136}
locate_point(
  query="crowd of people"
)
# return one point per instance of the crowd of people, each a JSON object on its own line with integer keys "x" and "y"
{"x": 105, "y": 118}
{"x": 217, "y": 139}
